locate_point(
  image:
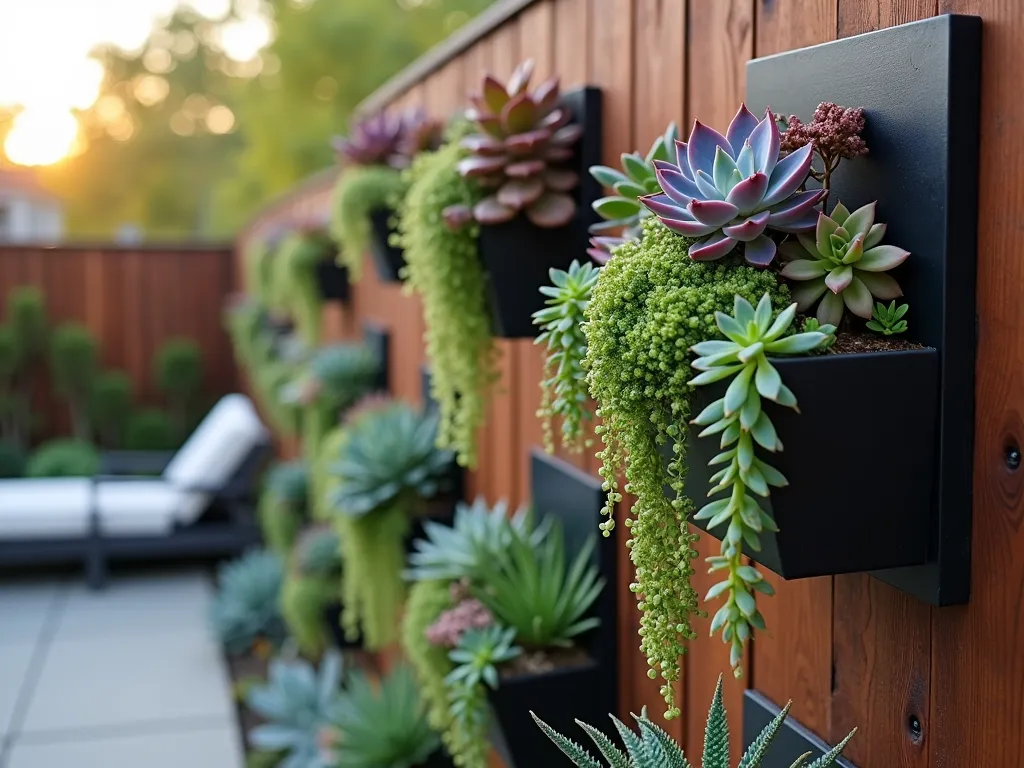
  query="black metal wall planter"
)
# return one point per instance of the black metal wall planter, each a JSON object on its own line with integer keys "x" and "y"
{"x": 388, "y": 259}
{"x": 518, "y": 254}
{"x": 333, "y": 280}
{"x": 879, "y": 459}
{"x": 792, "y": 739}
{"x": 589, "y": 691}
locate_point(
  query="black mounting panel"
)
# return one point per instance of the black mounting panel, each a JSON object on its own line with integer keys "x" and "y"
{"x": 792, "y": 739}
{"x": 919, "y": 85}
{"x": 377, "y": 338}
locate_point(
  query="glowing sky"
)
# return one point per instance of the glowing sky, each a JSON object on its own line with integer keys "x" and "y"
{"x": 45, "y": 68}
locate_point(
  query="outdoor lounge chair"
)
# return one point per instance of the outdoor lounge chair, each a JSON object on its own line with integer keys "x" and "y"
{"x": 196, "y": 502}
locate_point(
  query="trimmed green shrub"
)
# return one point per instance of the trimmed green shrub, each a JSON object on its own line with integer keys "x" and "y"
{"x": 23, "y": 340}
{"x": 74, "y": 359}
{"x": 110, "y": 406}
{"x": 66, "y": 457}
{"x": 150, "y": 430}
{"x": 12, "y": 459}
{"x": 179, "y": 374}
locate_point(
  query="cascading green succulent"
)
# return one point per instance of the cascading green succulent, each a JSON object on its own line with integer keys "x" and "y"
{"x": 476, "y": 660}
{"x": 295, "y": 280}
{"x": 534, "y": 591}
{"x": 623, "y": 212}
{"x": 741, "y": 421}
{"x": 282, "y": 504}
{"x": 844, "y": 265}
{"x": 298, "y": 703}
{"x": 382, "y": 725}
{"x": 313, "y": 581}
{"x": 564, "y": 386}
{"x": 479, "y": 534}
{"x": 360, "y": 191}
{"x": 245, "y": 610}
{"x": 443, "y": 266}
{"x": 653, "y": 748}
{"x": 650, "y": 305}
{"x": 388, "y": 464}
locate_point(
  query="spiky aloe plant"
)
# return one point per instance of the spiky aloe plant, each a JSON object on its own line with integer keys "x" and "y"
{"x": 564, "y": 386}
{"x": 522, "y": 142}
{"x": 653, "y": 748}
{"x": 844, "y": 264}
{"x": 623, "y": 213}
{"x": 731, "y": 190}
{"x": 742, "y": 423}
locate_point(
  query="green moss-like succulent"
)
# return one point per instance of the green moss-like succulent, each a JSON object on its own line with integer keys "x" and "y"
{"x": 313, "y": 581}
{"x": 427, "y": 600}
{"x": 282, "y": 505}
{"x": 295, "y": 281}
{"x": 650, "y": 305}
{"x": 443, "y": 267}
{"x": 360, "y": 191}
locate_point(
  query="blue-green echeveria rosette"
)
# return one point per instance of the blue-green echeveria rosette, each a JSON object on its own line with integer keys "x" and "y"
{"x": 844, "y": 265}
{"x": 734, "y": 189}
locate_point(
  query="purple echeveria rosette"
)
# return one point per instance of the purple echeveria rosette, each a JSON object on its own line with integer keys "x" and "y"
{"x": 732, "y": 189}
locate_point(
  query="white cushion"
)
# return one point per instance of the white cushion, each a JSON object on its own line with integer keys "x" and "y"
{"x": 45, "y": 508}
{"x": 140, "y": 507}
{"x": 214, "y": 451}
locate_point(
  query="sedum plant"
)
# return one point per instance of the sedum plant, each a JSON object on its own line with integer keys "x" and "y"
{"x": 383, "y": 725}
{"x": 522, "y": 142}
{"x": 888, "y": 320}
{"x": 538, "y": 594}
{"x": 387, "y": 466}
{"x": 844, "y": 265}
{"x": 245, "y": 612}
{"x": 729, "y": 191}
{"x": 623, "y": 212}
{"x": 650, "y": 305}
{"x": 653, "y": 748}
{"x": 313, "y": 581}
{"x": 297, "y": 703}
{"x": 742, "y": 423}
{"x": 564, "y": 386}
{"x": 444, "y": 268}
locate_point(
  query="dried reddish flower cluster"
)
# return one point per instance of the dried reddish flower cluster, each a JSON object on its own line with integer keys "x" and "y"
{"x": 470, "y": 613}
{"x": 834, "y": 131}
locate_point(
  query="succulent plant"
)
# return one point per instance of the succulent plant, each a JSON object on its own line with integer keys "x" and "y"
{"x": 730, "y": 190}
{"x": 654, "y": 748}
{"x": 844, "y": 264}
{"x": 317, "y": 551}
{"x": 245, "y": 610}
{"x": 383, "y": 725}
{"x": 478, "y": 654}
{"x": 389, "y": 451}
{"x": 623, "y": 212}
{"x": 888, "y": 320}
{"x": 740, "y": 419}
{"x": 523, "y": 140}
{"x": 449, "y": 627}
{"x": 374, "y": 140}
{"x": 420, "y": 133}
{"x": 564, "y": 385}
{"x": 537, "y": 592}
{"x": 297, "y": 702}
{"x": 478, "y": 534}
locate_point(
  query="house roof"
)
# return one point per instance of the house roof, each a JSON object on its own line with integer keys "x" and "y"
{"x": 23, "y": 182}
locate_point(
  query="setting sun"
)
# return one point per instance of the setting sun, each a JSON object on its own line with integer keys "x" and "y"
{"x": 41, "y": 137}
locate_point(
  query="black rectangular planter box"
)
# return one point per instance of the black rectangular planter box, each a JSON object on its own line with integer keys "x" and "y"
{"x": 880, "y": 459}
{"x": 333, "y": 280}
{"x": 859, "y": 458}
{"x": 517, "y": 255}
{"x": 388, "y": 259}
{"x": 792, "y": 739}
{"x": 558, "y": 698}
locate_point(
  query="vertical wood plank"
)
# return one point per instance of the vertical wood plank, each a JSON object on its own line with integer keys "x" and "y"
{"x": 977, "y": 668}
{"x": 784, "y": 25}
{"x": 573, "y": 46}
{"x": 660, "y": 69}
{"x": 869, "y": 15}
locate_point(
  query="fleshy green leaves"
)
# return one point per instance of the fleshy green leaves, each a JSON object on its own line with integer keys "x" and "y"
{"x": 743, "y": 424}
{"x": 888, "y": 320}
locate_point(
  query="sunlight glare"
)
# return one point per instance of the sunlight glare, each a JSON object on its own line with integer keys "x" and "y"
{"x": 41, "y": 136}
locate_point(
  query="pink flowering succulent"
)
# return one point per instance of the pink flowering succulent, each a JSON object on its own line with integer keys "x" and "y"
{"x": 844, "y": 265}
{"x": 732, "y": 190}
{"x": 447, "y": 630}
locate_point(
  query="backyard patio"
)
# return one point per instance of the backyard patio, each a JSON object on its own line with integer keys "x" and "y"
{"x": 123, "y": 677}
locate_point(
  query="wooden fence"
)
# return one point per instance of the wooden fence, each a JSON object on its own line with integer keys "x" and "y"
{"x": 926, "y": 686}
{"x": 133, "y": 300}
